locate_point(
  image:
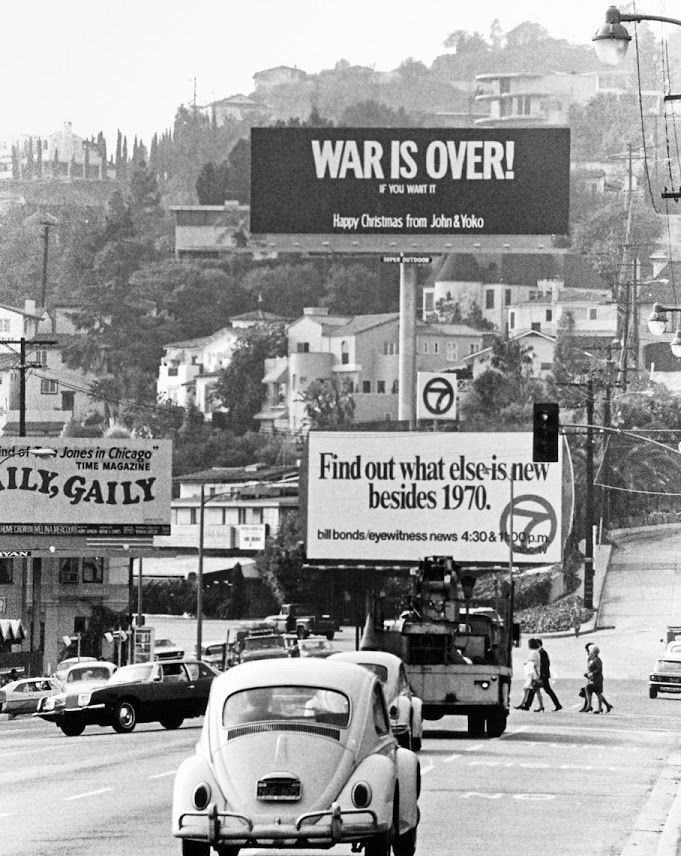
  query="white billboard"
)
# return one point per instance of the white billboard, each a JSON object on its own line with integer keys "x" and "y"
{"x": 382, "y": 497}
{"x": 80, "y": 487}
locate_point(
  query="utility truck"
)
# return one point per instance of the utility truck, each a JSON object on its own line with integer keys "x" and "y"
{"x": 456, "y": 642}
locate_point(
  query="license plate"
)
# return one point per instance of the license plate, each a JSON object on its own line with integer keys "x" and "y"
{"x": 278, "y": 789}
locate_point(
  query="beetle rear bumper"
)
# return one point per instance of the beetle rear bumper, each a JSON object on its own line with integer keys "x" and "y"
{"x": 332, "y": 825}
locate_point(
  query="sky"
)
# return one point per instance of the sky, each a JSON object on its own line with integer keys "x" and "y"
{"x": 128, "y": 65}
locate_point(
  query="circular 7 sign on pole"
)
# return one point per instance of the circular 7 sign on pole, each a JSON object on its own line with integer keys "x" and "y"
{"x": 436, "y": 396}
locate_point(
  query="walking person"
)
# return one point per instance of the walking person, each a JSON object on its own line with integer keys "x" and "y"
{"x": 594, "y": 675}
{"x": 532, "y": 685}
{"x": 586, "y": 691}
{"x": 545, "y": 675}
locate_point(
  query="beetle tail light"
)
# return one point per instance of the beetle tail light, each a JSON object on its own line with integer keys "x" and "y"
{"x": 393, "y": 711}
{"x": 361, "y": 794}
{"x": 201, "y": 796}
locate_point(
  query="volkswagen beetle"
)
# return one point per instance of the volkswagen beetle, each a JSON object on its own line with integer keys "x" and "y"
{"x": 404, "y": 708}
{"x": 297, "y": 754}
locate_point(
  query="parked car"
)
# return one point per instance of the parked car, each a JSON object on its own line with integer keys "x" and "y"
{"x": 404, "y": 708}
{"x": 166, "y": 691}
{"x": 22, "y": 696}
{"x": 65, "y": 665}
{"x": 214, "y": 654}
{"x": 297, "y": 751}
{"x": 303, "y": 619}
{"x": 76, "y": 684}
{"x": 166, "y": 649}
{"x": 316, "y": 646}
{"x": 236, "y": 635}
{"x": 262, "y": 646}
{"x": 665, "y": 676}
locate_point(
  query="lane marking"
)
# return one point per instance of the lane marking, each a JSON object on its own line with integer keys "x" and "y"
{"x": 87, "y": 794}
{"x": 162, "y": 775}
{"x": 474, "y": 748}
{"x": 451, "y": 758}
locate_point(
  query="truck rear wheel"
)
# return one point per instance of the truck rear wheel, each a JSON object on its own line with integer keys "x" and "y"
{"x": 476, "y": 725}
{"x": 496, "y": 723}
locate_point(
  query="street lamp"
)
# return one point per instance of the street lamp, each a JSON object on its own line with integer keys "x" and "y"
{"x": 657, "y": 323}
{"x": 612, "y": 39}
{"x": 46, "y": 221}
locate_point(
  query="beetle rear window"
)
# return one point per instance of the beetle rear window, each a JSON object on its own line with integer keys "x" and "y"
{"x": 287, "y": 703}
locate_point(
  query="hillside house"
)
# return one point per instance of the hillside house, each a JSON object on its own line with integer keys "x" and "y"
{"x": 361, "y": 355}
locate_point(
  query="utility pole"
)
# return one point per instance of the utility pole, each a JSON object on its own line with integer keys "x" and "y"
{"x": 589, "y": 506}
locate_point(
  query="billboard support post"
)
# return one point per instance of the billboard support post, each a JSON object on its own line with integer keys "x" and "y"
{"x": 407, "y": 345}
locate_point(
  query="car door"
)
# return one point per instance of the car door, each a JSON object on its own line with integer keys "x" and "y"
{"x": 174, "y": 692}
{"x": 201, "y": 677}
{"x": 19, "y": 700}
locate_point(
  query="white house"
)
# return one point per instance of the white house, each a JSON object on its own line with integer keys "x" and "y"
{"x": 360, "y": 354}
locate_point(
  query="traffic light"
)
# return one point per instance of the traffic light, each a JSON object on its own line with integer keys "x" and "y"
{"x": 545, "y": 432}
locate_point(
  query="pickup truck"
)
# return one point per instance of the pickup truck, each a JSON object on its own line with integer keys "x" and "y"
{"x": 302, "y": 619}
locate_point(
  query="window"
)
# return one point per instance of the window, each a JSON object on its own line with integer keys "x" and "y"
{"x": 511, "y": 320}
{"x": 68, "y": 571}
{"x": 345, "y": 358}
{"x": 425, "y": 347}
{"x": 4, "y": 325}
{"x": 256, "y": 515}
{"x": 396, "y": 387}
{"x": 172, "y": 371}
{"x": 5, "y": 571}
{"x": 68, "y": 400}
{"x": 303, "y": 347}
{"x": 507, "y": 297}
{"x": 366, "y": 386}
{"x": 436, "y": 347}
{"x": 48, "y": 387}
{"x": 549, "y": 315}
{"x": 380, "y": 386}
{"x": 472, "y": 349}
{"x": 489, "y": 299}
{"x": 303, "y": 382}
{"x": 40, "y": 356}
{"x": 381, "y": 723}
{"x": 193, "y": 516}
{"x": 593, "y": 314}
{"x": 93, "y": 570}
{"x": 242, "y": 516}
{"x": 451, "y": 352}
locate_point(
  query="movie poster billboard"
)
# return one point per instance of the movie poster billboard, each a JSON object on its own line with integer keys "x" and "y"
{"x": 397, "y": 497}
{"x": 84, "y": 487}
{"x": 410, "y": 181}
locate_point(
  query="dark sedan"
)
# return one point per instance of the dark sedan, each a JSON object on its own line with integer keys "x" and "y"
{"x": 166, "y": 691}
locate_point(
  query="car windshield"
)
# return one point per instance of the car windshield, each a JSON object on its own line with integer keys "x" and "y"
{"x": 315, "y": 644}
{"x": 668, "y": 666}
{"x": 167, "y": 643}
{"x": 91, "y": 673}
{"x": 137, "y": 672}
{"x": 311, "y": 704}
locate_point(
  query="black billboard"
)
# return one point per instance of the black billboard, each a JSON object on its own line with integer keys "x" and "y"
{"x": 410, "y": 181}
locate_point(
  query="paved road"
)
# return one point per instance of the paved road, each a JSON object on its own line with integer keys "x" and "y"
{"x": 583, "y": 781}
{"x": 579, "y": 783}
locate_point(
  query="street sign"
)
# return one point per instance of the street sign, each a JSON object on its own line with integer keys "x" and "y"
{"x": 436, "y": 396}
{"x": 402, "y": 259}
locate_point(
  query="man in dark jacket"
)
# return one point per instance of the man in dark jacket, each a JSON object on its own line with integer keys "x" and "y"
{"x": 545, "y": 674}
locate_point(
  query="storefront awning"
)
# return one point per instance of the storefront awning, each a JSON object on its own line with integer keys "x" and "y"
{"x": 11, "y": 630}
